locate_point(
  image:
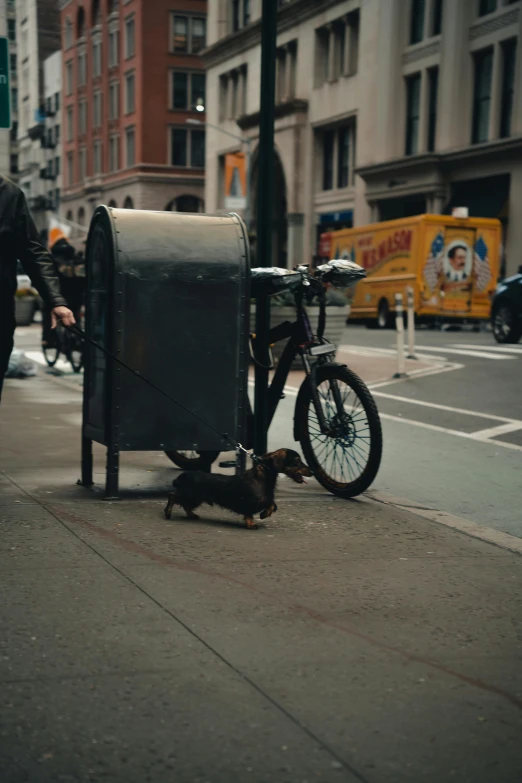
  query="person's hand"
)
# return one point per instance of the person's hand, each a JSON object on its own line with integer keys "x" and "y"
{"x": 62, "y": 314}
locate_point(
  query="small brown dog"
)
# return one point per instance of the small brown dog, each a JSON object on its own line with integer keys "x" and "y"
{"x": 249, "y": 494}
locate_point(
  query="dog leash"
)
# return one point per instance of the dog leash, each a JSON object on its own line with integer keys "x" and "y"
{"x": 233, "y": 442}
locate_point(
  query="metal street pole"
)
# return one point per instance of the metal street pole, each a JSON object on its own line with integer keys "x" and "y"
{"x": 265, "y": 217}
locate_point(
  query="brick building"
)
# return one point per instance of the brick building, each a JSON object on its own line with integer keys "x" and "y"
{"x": 132, "y": 76}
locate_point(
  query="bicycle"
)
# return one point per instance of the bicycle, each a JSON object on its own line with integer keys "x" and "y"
{"x": 336, "y": 420}
{"x": 62, "y": 341}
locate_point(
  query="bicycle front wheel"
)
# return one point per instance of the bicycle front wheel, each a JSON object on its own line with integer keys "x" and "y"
{"x": 346, "y": 458}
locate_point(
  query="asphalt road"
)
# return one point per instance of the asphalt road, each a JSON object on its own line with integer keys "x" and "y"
{"x": 442, "y": 447}
{"x": 452, "y": 436}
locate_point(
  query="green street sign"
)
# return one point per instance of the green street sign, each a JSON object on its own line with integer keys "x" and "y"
{"x": 5, "y": 92}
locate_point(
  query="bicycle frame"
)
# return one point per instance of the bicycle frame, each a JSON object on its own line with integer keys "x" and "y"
{"x": 301, "y": 336}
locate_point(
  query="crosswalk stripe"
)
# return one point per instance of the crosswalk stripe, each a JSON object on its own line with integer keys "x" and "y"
{"x": 516, "y": 349}
{"x": 462, "y": 352}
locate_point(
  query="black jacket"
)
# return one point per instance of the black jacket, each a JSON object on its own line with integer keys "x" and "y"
{"x": 19, "y": 240}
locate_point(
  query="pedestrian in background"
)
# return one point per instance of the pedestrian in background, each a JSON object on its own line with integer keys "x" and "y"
{"x": 19, "y": 240}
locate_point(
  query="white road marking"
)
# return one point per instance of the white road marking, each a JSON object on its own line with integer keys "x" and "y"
{"x": 517, "y": 349}
{"x": 416, "y": 374}
{"x": 462, "y": 352}
{"x": 494, "y": 432}
{"x": 362, "y": 350}
{"x": 439, "y": 407}
{"x": 447, "y": 431}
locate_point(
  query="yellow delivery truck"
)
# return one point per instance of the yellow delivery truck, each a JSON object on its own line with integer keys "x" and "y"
{"x": 451, "y": 263}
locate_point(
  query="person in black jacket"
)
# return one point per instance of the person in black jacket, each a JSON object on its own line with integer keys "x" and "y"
{"x": 19, "y": 241}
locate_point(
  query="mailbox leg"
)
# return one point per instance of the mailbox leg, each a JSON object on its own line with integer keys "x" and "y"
{"x": 86, "y": 479}
{"x": 112, "y": 473}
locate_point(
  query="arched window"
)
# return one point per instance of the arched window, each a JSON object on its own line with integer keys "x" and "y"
{"x": 188, "y": 204}
{"x": 112, "y": 6}
{"x": 112, "y": 204}
{"x": 81, "y": 216}
{"x": 80, "y": 23}
{"x": 69, "y": 215}
{"x": 128, "y": 204}
{"x": 68, "y": 34}
{"x": 95, "y": 13}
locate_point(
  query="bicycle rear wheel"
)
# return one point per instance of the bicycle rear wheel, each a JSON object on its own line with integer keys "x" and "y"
{"x": 346, "y": 459}
{"x": 193, "y": 460}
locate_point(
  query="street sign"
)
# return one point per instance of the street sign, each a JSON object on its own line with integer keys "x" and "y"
{"x": 5, "y": 92}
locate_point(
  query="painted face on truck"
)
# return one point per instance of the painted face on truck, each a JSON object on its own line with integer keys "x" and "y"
{"x": 457, "y": 257}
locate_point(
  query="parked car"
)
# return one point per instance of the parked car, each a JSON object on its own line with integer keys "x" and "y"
{"x": 506, "y": 310}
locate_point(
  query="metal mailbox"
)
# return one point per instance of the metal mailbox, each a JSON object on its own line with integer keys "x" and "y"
{"x": 168, "y": 294}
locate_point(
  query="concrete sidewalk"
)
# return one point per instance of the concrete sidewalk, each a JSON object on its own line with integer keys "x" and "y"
{"x": 342, "y": 641}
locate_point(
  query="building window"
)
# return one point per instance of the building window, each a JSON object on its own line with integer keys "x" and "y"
{"x": 14, "y": 98}
{"x": 509, "y": 54}
{"x": 57, "y": 165}
{"x": 239, "y": 14}
{"x": 418, "y": 11}
{"x": 68, "y": 35}
{"x": 178, "y": 155}
{"x": 188, "y": 34}
{"x": 82, "y": 159}
{"x": 81, "y": 216}
{"x": 482, "y": 96}
{"x": 11, "y": 29}
{"x": 187, "y": 146}
{"x": 69, "y": 124}
{"x": 328, "y": 159}
{"x": 129, "y": 93}
{"x": 433, "y": 86}
{"x": 114, "y": 100}
{"x": 129, "y": 37}
{"x": 12, "y": 64}
{"x": 69, "y": 78}
{"x": 130, "y": 147}
{"x": 114, "y": 36}
{"x": 413, "y": 88}
{"x": 96, "y": 58}
{"x": 338, "y": 147}
{"x": 13, "y": 164}
{"x": 198, "y": 34}
{"x": 82, "y": 118}
{"x": 57, "y": 101}
{"x": 188, "y": 90}
{"x": 337, "y": 49}
{"x": 286, "y": 72}
{"x": 97, "y": 157}
{"x": 114, "y": 153}
{"x": 487, "y": 7}
{"x": 197, "y": 149}
{"x": 233, "y": 93}
{"x": 436, "y": 21}
{"x": 343, "y": 158}
{"x": 82, "y": 69}
{"x": 70, "y": 169}
{"x": 97, "y": 110}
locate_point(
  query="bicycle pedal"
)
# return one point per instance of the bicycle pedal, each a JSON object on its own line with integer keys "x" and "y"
{"x": 228, "y": 463}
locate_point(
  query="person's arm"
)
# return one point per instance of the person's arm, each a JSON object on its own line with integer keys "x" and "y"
{"x": 38, "y": 264}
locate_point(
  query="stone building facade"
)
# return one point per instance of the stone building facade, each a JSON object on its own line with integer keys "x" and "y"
{"x": 385, "y": 108}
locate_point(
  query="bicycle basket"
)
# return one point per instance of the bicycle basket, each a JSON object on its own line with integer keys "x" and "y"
{"x": 340, "y": 273}
{"x": 267, "y": 281}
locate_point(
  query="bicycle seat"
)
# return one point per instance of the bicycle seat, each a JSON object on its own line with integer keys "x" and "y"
{"x": 340, "y": 273}
{"x": 269, "y": 280}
